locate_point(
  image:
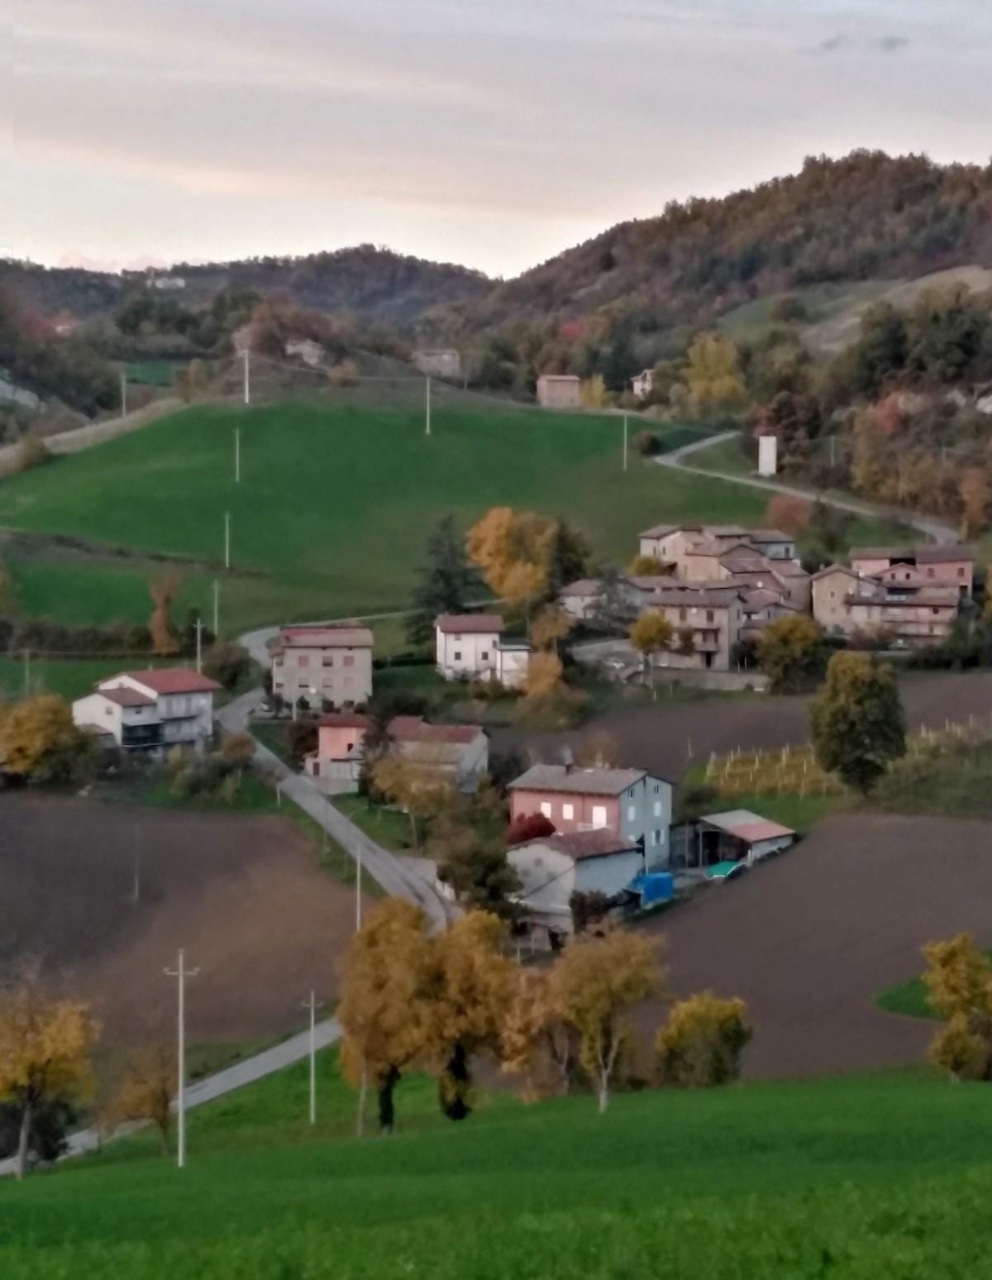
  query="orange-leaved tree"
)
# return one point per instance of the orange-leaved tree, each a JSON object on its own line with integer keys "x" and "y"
{"x": 163, "y": 590}
{"x": 45, "y": 1049}
{"x": 384, "y": 1007}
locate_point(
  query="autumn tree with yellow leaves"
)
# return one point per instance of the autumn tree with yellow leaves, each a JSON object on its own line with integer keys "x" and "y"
{"x": 538, "y": 1044}
{"x": 39, "y": 740}
{"x": 598, "y": 980}
{"x": 384, "y": 1007}
{"x": 418, "y": 785}
{"x": 958, "y": 979}
{"x": 550, "y": 626}
{"x": 45, "y": 1050}
{"x": 470, "y": 993}
{"x": 146, "y": 1089}
{"x": 701, "y": 1044}
{"x": 650, "y": 635}
{"x": 713, "y": 374}
{"x": 525, "y": 556}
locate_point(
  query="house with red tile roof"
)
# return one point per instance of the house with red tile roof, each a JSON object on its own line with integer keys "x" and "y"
{"x": 324, "y": 665}
{"x": 150, "y": 711}
{"x": 459, "y": 750}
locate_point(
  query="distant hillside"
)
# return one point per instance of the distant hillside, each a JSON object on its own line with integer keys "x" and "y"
{"x": 864, "y": 217}
{"x": 373, "y": 284}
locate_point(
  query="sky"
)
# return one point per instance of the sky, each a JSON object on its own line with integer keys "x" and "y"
{"x": 495, "y": 133}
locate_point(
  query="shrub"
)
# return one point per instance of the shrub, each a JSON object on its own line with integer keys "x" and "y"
{"x": 588, "y": 909}
{"x": 647, "y": 444}
{"x": 529, "y": 826}
{"x": 701, "y": 1044}
{"x": 30, "y": 453}
{"x": 229, "y": 664}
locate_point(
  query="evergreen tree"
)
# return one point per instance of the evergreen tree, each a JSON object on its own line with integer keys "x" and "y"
{"x": 444, "y": 584}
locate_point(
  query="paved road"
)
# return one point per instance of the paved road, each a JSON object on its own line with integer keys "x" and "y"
{"x": 941, "y": 533}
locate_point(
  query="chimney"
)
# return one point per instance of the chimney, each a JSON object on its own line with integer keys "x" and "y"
{"x": 567, "y": 759}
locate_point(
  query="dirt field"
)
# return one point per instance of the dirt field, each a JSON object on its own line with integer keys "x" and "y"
{"x": 811, "y": 938}
{"x": 667, "y": 739}
{"x": 243, "y": 895}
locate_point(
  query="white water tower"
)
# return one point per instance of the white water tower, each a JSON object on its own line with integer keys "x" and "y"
{"x": 767, "y": 455}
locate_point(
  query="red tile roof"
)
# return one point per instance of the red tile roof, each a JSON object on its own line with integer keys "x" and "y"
{"x": 577, "y": 845}
{"x": 168, "y": 680}
{"x": 344, "y": 720}
{"x": 347, "y": 637}
{"x": 469, "y": 623}
{"x": 414, "y": 729}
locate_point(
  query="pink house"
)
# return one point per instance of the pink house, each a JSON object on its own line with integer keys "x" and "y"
{"x": 934, "y": 566}
{"x": 459, "y": 749}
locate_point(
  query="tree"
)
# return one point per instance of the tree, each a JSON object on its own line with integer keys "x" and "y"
{"x": 470, "y": 994}
{"x": 227, "y": 663}
{"x": 612, "y": 611}
{"x": 588, "y": 908}
{"x": 857, "y": 719}
{"x": 789, "y": 514}
{"x": 474, "y": 863}
{"x": 525, "y": 556}
{"x": 973, "y": 486}
{"x": 713, "y": 374}
{"x": 444, "y": 584}
{"x": 648, "y": 567}
{"x": 647, "y": 443}
{"x": 593, "y": 392}
{"x": 701, "y": 1043}
{"x": 238, "y": 750}
{"x": 39, "y": 740}
{"x": 418, "y": 785}
{"x": 791, "y": 654}
{"x": 568, "y": 555}
{"x": 146, "y": 1090}
{"x": 529, "y": 826}
{"x": 551, "y": 625}
{"x": 651, "y": 634}
{"x": 301, "y": 739}
{"x": 163, "y": 590}
{"x": 384, "y": 1006}
{"x": 544, "y": 676}
{"x": 596, "y": 982}
{"x": 44, "y": 1055}
{"x": 958, "y": 979}
{"x": 537, "y": 1043}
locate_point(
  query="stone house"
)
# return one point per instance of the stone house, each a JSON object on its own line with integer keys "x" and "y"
{"x": 952, "y": 566}
{"x": 559, "y": 391}
{"x": 323, "y": 664}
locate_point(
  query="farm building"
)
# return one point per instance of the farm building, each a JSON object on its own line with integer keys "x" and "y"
{"x": 737, "y": 837}
{"x": 559, "y": 391}
{"x": 552, "y": 868}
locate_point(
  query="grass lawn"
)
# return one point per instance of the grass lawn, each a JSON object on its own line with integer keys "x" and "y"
{"x": 909, "y": 998}
{"x": 68, "y": 677}
{"x": 387, "y": 827}
{"x": 335, "y": 505}
{"x": 867, "y": 1179}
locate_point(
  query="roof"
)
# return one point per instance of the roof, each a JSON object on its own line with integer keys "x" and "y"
{"x": 933, "y": 598}
{"x": 325, "y": 637}
{"x": 469, "y": 623}
{"x": 577, "y": 845}
{"x": 768, "y": 535}
{"x": 559, "y": 377}
{"x": 709, "y": 598}
{"x": 166, "y": 680}
{"x": 127, "y": 697}
{"x": 831, "y": 569}
{"x": 416, "y": 729}
{"x": 922, "y": 555}
{"x": 588, "y": 782}
{"x": 584, "y": 587}
{"x": 344, "y": 720}
{"x": 747, "y": 826}
{"x": 762, "y": 597}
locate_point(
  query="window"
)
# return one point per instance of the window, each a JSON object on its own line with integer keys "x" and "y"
{"x": 961, "y": 573}
{"x": 458, "y": 655}
{"x": 349, "y": 660}
{"x": 929, "y": 573}
{"x": 458, "y": 637}
{"x": 303, "y": 660}
{"x": 935, "y": 611}
{"x": 568, "y": 811}
{"x": 657, "y": 808}
{"x": 709, "y": 615}
{"x": 546, "y": 808}
{"x": 657, "y": 787}
{"x": 631, "y": 812}
{"x": 598, "y": 815}
{"x": 484, "y": 655}
{"x": 108, "y": 711}
{"x": 328, "y": 660}
{"x": 682, "y": 615}
{"x": 661, "y": 836}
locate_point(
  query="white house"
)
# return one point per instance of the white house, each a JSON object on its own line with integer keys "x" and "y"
{"x": 552, "y": 868}
{"x": 643, "y": 384}
{"x": 470, "y": 646}
{"x": 152, "y": 710}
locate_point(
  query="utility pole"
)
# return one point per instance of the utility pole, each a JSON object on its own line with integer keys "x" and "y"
{"x": 124, "y": 392}
{"x": 427, "y": 421}
{"x": 625, "y": 442}
{"x": 199, "y": 646}
{"x": 27, "y": 673}
{"x": 237, "y": 455}
{"x": 358, "y": 892}
{"x": 136, "y": 881}
{"x": 313, "y": 1004}
{"x": 181, "y": 973}
{"x": 227, "y": 539}
{"x": 246, "y": 354}
{"x": 216, "y": 607}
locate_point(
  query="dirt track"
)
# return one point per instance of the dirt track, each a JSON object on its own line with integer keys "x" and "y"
{"x": 243, "y": 895}
{"x": 660, "y": 738}
{"x": 811, "y": 938}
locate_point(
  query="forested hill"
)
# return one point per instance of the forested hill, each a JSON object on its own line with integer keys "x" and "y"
{"x": 862, "y": 217}
{"x": 375, "y": 285}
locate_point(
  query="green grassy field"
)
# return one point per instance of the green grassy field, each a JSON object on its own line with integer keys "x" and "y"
{"x": 867, "y": 1179}
{"x": 334, "y": 505}
{"x": 70, "y": 678}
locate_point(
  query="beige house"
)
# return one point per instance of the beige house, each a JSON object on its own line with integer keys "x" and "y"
{"x": 458, "y": 750}
{"x": 681, "y": 543}
{"x": 470, "y": 646}
{"x": 323, "y": 664}
{"x": 559, "y": 391}
{"x": 713, "y": 616}
{"x": 903, "y": 604}
{"x": 952, "y": 566}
